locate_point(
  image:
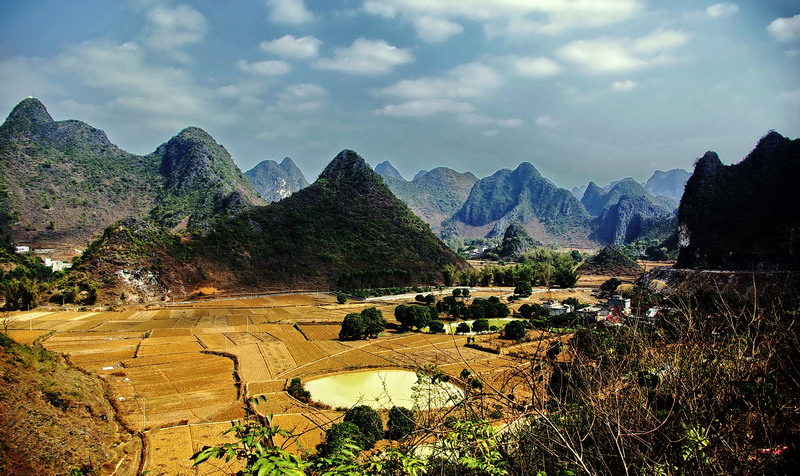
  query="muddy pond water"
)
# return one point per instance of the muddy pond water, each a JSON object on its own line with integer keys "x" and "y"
{"x": 383, "y": 389}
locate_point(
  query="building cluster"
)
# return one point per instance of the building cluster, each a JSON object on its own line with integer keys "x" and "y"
{"x": 56, "y": 265}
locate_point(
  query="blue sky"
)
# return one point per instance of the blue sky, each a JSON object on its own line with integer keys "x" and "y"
{"x": 583, "y": 89}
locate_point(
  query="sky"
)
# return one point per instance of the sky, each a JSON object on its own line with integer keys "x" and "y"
{"x": 583, "y": 89}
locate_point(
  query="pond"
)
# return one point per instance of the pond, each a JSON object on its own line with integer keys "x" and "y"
{"x": 383, "y": 389}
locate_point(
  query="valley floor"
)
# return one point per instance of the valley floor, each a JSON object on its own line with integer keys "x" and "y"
{"x": 180, "y": 374}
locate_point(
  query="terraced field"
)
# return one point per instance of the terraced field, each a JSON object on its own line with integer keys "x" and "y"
{"x": 180, "y": 374}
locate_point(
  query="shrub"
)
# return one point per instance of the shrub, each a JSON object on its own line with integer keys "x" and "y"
{"x": 462, "y": 328}
{"x": 401, "y": 422}
{"x": 341, "y": 298}
{"x": 369, "y": 423}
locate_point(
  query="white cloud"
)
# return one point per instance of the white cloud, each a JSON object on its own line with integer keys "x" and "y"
{"x": 547, "y": 121}
{"x": 168, "y": 96}
{"x": 468, "y": 80}
{"x": 659, "y": 41}
{"x": 509, "y": 123}
{"x": 288, "y": 46}
{"x": 536, "y": 67}
{"x": 425, "y": 107}
{"x": 302, "y": 97}
{"x": 491, "y": 133}
{"x": 379, "y": 7}
{"x": 289, "y": 11}
{"x": 366, "y": 57}
{"x": 510, "y": 18}
{"x": 792, "y": 97}
{"x": 785, "y": 29}
{"x": 624, "y": 86}
{"x": 22, "y": 76}
{"x": 606, "y": 55}
{"x": 265, "y": 68}
{"x": 436, "y": 30}
{"x": 170, "y": 29}
{"x": 719, "y": 10}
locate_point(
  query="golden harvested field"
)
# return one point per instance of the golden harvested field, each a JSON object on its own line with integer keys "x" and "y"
{"x": 181, "y": 373}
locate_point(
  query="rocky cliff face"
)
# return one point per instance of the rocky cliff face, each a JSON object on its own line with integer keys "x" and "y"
{"x": 743, "y": 216}
{"x": 274, "y": 181}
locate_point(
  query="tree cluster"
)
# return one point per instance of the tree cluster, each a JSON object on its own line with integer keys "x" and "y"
{"x": 415, "y": 316}
{"x": 368, "y": 323}
{"x": 479, "y": 308}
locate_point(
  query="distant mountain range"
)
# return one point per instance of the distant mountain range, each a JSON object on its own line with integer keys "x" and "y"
{"x": 63, "y": 182}
{"x": 274, "y": 181}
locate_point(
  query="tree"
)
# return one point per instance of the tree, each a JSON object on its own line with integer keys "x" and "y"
{"x": 566, "y": 276}
{"x": 457, "y": 292}
{"x": 436, "y": 327}
{"x": 526, "y": 311}
{"x": 341, "y": 298}
{"x": 419, "y": 298}
{"x": 369, "y": 423}
{"x": 401, "y": 422}
{"x": 481, "y": 325}
{"x": 462, "y": 328}
{"x": 430, "y": 299}
{"x": 353, "y": 327}
{"x": 523, "y": 289}
{"x": 465, "y": 292}
{"x": 374, "y": 323}
{"x": 515, "y": 330}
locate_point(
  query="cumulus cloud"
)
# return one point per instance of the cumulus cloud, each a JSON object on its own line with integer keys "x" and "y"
{"x": 514, "y": 17}
{"x": 719, "y": 10}
{"x": 624, "y": 86}
{"x": 607, "y": 55}
{"x": 436, "y": 30}
{"x": 289, "y": 11}
{"x": 547, "y": 121}
{"x": 785, "y": 29}
{"x": 302, "y": 97}
{"x": 536, "y": 67}
{"x": 289, "y": 46}
{"x": 366, "y": 57}
{"x": 468, "y": 80}
{"x": 265, "y": 68}
{"x": 170, "y": 29}
{"x": 425, "y": 107}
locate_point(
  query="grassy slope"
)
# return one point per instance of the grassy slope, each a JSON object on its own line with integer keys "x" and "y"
{"x": 54, "y": 418}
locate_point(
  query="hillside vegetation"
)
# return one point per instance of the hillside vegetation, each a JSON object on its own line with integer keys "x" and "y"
{"x": 55, "y": 419}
